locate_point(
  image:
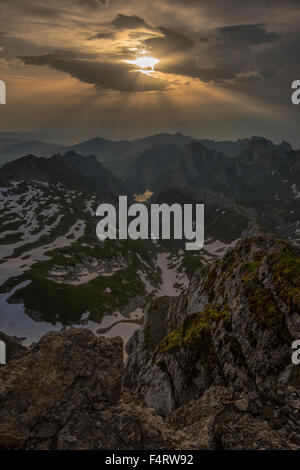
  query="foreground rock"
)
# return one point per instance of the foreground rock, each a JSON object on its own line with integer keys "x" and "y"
{"x": 233, "y": 328}
{"x": 213, "y": 422}
{"x": 66, "y": 394}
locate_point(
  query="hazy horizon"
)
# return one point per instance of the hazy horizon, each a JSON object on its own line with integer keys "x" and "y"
{"x": 31, "y": 136}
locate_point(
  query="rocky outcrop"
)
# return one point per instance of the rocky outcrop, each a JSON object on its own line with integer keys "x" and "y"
{"x": 66, "y": 393}
{"x": 233, "y": 328}
{"x": 161, "y": 317}
{"x": 41, "y": 392}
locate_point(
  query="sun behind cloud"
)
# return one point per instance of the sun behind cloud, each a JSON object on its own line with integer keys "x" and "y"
{"x": 145, "y": 64}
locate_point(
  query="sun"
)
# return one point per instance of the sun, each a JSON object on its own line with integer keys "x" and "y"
{"x": 146, "y": 64}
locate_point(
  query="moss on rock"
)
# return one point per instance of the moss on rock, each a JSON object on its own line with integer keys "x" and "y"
{"x": 196, "y": 330}
{"x": 261, "y": 301}
{"x": 285, "y": 266}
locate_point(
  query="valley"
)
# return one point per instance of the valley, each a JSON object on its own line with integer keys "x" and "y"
{"x": 57, "y": 274}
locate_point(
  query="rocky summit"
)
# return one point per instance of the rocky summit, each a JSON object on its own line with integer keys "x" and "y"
{"x": 210, "y": 369}
{"x": 233, "y": 328}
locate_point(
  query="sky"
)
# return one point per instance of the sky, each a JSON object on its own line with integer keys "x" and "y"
{"x": 121, "y": 69}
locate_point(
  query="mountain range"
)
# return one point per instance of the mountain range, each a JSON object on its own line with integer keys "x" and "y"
{"x": 260, "y": 185}
{"x": 105, "y": 150}
{"x": 15, "y": 145}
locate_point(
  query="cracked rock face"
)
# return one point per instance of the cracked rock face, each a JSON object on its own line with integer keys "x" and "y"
{"x": 66, "y": 394}
{"x": 234, "y": 327}
{"x": 63, "y": 373}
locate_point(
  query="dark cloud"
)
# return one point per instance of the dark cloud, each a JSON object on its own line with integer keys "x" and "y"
{"x": 252, "y": 34}
{"x": 94, "y": 3}
{"x": 121, "y": 22}
{"x": 228, "y": 3}
{"x": 103, "y": 35}
{"x": 106, "y": 75}
{"x": 91, "y": 4}
{"x": 12, "y": 46}
{"x": 128, "y": 22}
{"x": 211, "y": 59}
{"x": 225, "y": 55}
{"x": 228, "y": 55}
{"x": 38, "y": 8}
{"x": 41, "y": 11}
{"x": 262, "y": 74}
{"x": 171, "y": 42}
{"x": 233, "y": 6}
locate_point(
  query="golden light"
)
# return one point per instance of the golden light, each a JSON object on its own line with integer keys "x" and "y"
{"x": 146, "y": 64}
{"x": 143, "y": 197}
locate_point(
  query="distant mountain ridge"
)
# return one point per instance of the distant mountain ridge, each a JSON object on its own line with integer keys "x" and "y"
{"x": 71, "y": 169}
{"x": 105, "y": 150}
{"x": 109, "y": 151}
{"x": 36, "y": 147}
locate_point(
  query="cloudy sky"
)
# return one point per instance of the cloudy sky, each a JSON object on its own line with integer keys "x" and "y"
{"x": 123, "y": 69}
